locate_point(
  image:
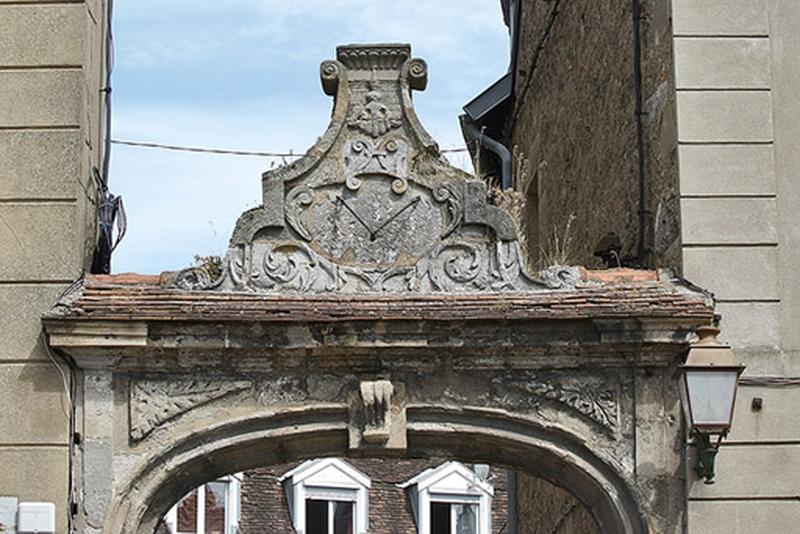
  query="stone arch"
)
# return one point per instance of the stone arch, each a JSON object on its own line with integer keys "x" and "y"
{"x": 467, "y": 434}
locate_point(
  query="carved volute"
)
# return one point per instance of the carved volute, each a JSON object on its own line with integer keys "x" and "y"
{"x": 373, "y": 206}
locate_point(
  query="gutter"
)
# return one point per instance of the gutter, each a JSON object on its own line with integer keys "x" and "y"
{"x": 473, "y": 133}
{"x": 641, "y": 250}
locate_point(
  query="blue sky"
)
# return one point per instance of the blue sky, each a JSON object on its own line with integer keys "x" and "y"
{"x": 243, "y": 74}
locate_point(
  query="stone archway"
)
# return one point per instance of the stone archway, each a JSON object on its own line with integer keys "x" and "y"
{"x": 376, "y": 304}
{"x": 255, "y": 441}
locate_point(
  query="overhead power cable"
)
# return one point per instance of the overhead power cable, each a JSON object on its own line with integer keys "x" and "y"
{"x": 230, "y": 152}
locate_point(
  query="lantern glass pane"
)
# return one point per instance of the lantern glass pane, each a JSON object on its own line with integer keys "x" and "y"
{"x": 711, "y": 394}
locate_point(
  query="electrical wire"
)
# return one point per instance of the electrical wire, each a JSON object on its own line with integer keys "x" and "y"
{"x": 65, "y": 381}
{"x": 229, "y": 152}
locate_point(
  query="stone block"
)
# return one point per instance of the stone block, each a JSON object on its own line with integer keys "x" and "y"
{"x": 740, "y": 273}
{"x": 39, "y": 242}
{"x": 20, "y": 323}
{"x": 34, "y": 404}
{"x": 749, "y": 325}
{"x": 727, "y": 169}
{"x": 784, "y": 24}
{"x": 40, "y": 164}
{"x": 42, "y": 97}
{"x": 36, "y": 35}
{"x": 713, "y": 221}
{"x": 779, "y": 407}
{"x": 94, "y": 69}
{"x": 37, "y": 474}
{"x": 743, "y": 517}
{"x": 722, "y": 63}
{"x": 719, "y": 17}
{"x": 746, "y": 471}
{"x": 724, "y": 116}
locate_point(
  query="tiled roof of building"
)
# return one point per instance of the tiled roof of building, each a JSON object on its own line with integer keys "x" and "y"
{"x": 615, "y": 293}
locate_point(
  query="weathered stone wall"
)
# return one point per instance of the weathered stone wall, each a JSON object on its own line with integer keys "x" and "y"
{"x": 547, "y": 509}
{"x": 50, "y": 77}
{"x": 573, "y": 129}
{"x": 265, "y": 509}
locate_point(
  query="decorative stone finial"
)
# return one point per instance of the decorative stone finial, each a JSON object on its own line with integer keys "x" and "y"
{"x": 373, "y": 206}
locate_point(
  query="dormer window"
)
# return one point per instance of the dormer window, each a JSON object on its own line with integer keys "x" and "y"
{"x": 327, "y": 496}
{"x": 451, "y": 499}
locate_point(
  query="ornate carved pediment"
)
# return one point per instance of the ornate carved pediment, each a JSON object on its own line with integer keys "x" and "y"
{"x": 373, "y": 206}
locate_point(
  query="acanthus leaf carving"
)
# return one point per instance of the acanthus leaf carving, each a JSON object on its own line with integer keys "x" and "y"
{"x": 447, "y": 194}
{"x": 597, "y": 402}
{"x": 295, "y": 266}
{"x": 154, "y": 402}
{"x": 295, "y": 201}
{"x": 456, "y": 266}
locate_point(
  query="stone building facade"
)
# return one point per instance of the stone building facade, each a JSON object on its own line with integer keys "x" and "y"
{"x": 51, "y": 75}
{"x": 713, "y": 88}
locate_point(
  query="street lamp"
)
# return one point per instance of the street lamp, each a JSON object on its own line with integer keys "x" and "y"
{"x": 708, "y": 382}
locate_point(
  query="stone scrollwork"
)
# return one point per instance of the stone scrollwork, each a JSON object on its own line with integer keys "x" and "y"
{"x": 329, "y": 73}
{"x": 294, "y": 266}
{"x": 599, "y": 403}
{"x": 195, "y": 278}
{"x": 296, "y": 200}
{"x": 457, "y": 265}
{"x": 448, "y": 195}
{"x": 417, "y": 74}
{"x": 154, "y": 402}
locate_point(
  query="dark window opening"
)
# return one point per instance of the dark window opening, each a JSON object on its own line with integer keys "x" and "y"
{"x": 440, "y": 518}
{"x": 316, "y": 517}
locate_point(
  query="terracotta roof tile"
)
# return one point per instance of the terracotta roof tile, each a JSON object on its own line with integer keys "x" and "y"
{"x": 612, "y": 276}
{"x": 619, "y": 294}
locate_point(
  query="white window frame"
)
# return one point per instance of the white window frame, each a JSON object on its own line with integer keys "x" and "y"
{"x": 232, "y": 508}
{"x": 331, "y": 497}
{"x": 327, "y": 479}
{"x": 436, "y": 485}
